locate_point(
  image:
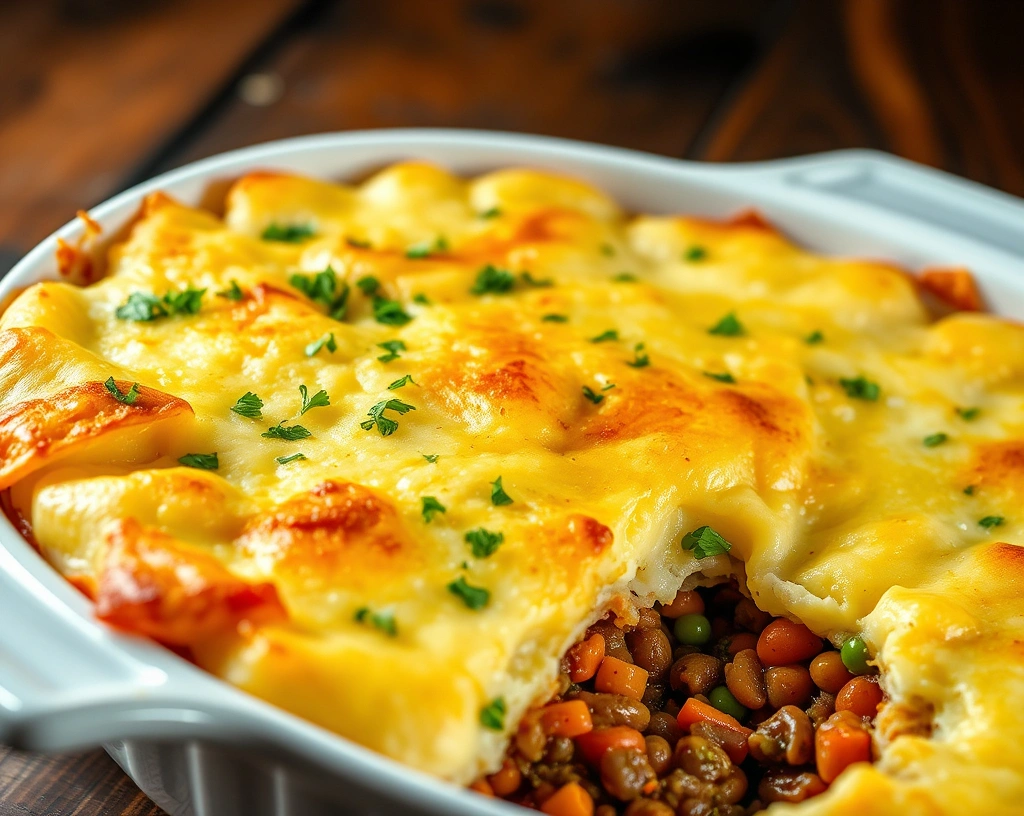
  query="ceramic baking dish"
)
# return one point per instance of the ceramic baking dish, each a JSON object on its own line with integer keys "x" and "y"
{"x": 196, "y": 745}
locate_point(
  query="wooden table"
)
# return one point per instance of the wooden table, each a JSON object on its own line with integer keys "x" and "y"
{"x": 100, "y": 94}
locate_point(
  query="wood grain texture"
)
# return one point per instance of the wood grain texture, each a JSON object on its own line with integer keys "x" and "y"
{"x": 90, "y": 88}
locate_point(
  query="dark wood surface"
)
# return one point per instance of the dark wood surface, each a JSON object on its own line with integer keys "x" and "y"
{"x": 99, "y": 94}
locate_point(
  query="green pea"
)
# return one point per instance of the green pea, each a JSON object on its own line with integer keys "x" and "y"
{"x": 855, "y": 655}
{"x": 693, "y": 630}
{"x": 722, "y": 699}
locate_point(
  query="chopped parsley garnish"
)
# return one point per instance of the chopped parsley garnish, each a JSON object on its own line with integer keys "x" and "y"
{"x": 704, "y": 542}
{"x": 249, "y": 405}
{"x": 969, "y": 490}
{"x": 383, "y": 424}
{"x": 538, "y": 283}
{"x": 991, "y": 521}
{"x": 289, "y": 433}
{"x": 968, "y": 414}
{"x": 402, "y": 381}
{"x": 425, "y": 249}
{"x": 724, "y": 377}
{"x": 728, "y": 326}
{"x": 323, "y": 288}
{"x": 607, "y": 250}
{"x": 124, "y": 397}
{"x": 422, "y": 299}
{"x": 640, "y": 358}
{"x": 431, "y": 457}
{"x": 861, "y": 388}
{"x": 625, "y": 277}
{"x": 473, "y": 597}
{"x": 483, "y": 543}
{"x": 935, "y": 439}
{"x": 368, "y": 285}
{"x": 392, "y": 347}
{"x": 202, "y": 461}
{"x": 492, "y": 715}
{"x": 143, "y": 307}
{"x": 493, "y": 280}
{"x": 356, "y": 243}
{"x": 605, "y": 336}
{"x": 695, "y": 253}
{"x": 555, "y": 318}
{"x": 318, "y": 400}
{"x": 814, "y": 338}
{"x": 493, "y": 212}
{"x": 385, "y": 621}
{"x": 288, "y": 233}
{"x": 233, "y": 292}
{"x": 285, "y": 460}
{"x": 431, "y": 506}
{"x": 498, "y": 495}
{"x": 592, "y": 395}
{"x": 390, "y": 312}
{"x": 327, "y": 342}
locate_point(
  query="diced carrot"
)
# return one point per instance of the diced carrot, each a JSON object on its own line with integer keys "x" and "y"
{"x": 841, "y": 741}
{"x": 569, "y": 800}
{"x": 862, "y": 696}
{"x": 507, "y": 779}
{"x": 619, "y": 677}
{"x": 585, "y": 657}
{"x": 568, "y": 719}
{"x": 783, "y": 642}
{"x": 741, "y": 641}
{"x": 594, "y": 744}
{"x": 954, "y": 287}
{"x": 694, "y": 711}
{"x": 483, "y": 787}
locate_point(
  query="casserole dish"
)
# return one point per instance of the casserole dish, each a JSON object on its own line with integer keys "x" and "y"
{"x": 197, "y": 746}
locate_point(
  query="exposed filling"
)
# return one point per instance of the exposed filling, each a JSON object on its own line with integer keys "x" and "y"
{"x": 706, "y": 706}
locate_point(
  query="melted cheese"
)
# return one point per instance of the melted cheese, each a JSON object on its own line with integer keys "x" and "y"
{"x": 839, "y": 513}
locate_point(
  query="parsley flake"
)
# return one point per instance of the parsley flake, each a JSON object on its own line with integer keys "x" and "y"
{"x": 555, "y": 318}
{"x": 625, "y": 277}
{"x": 289, "y": 433}
{"x": 473, "y": 597}
{"x": 493, "y": 280}
{"x": 322, "y": 287}
{"x": 483, "y": 543}
{"x": 610, "y": 334}
{"x": 233, "y": 292}
{"x": 537, "y": 283}
{"x": 384, "y": 621}
{"x": 356, "y": 243}
{"x": 187, "y": 301}
{"x": 968, "y": 414}
{"x": 640, "y": 358}
{"x": 392, "y": 347}
{"x": 425, "y": 249}
{"x": 368, "y": 285}
{"x": 607, "y": 250}
{"x": 141, "y": 307}
{"x": 389, "y": 312}
{"x": 493, "y": 212}
{"x": 402, "y": 381}
{"x": 498, "y": 495}
{"x": 991, "y": 521}
{"x": 431, "y": 506}
{"x": 704, "y": 542}
{"x": 861, "y": 388}
{"x": 124, "y": 397}
{"x": 202, "y": 461}
{"x": 724, "y": 377}
{"x": 249, "y": 405}
{"x": 694, "y": 254}
{"x": 285, "y": 460}
{"x": 492, "y": 715}
{"x": 318, "y": 400}
{"x": 327, "y": 341}
{"x": 592, "y": 395}
{"x": 969, "y": 490}
{"x": 422, "y": 299}
{"x": 935, "y": 439}
{"x": 431, "y": 457}
{"x": 728, "y": 326}
{"x": 814, "y": 338}
{"x": 288, "y": 233}
{"x": 383, "y": 424}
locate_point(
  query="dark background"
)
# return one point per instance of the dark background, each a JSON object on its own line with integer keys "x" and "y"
{"x": 99, "y": 94}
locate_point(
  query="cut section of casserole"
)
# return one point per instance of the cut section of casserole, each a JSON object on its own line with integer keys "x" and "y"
{"x": 455, "y": 422}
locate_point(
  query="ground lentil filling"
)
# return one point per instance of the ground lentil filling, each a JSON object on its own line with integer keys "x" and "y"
{"x": 707, "y": 706}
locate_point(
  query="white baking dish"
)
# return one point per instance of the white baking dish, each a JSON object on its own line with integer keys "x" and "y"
{"x": 196, "y": 745}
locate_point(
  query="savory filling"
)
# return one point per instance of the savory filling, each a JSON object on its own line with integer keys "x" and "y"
{"x": 707, "y": 705}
